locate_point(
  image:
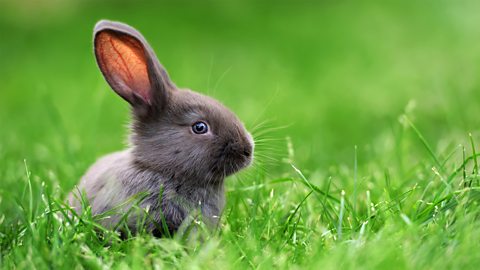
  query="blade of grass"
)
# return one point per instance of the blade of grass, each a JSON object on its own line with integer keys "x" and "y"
{"x": 425, "y": 143}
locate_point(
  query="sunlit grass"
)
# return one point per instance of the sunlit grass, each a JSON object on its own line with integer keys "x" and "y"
{"x": 365, "y": 118}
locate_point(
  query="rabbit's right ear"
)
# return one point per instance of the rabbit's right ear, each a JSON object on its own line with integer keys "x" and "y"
{"x": 130, "y": 66}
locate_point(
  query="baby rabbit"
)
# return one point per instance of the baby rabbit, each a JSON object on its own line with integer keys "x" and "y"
{"x": 183, "y": 144}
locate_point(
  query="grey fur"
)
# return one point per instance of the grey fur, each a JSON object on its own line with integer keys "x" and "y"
{"x": 178, "y": 170}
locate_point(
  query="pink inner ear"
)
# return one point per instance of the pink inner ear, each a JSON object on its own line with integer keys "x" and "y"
{"x": 123, "y": 61}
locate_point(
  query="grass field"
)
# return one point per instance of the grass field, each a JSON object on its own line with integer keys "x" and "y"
{"x": 367, "y": 118}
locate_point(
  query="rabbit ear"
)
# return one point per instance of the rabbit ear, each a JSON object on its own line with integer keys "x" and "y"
{"x": 130, "y": 66}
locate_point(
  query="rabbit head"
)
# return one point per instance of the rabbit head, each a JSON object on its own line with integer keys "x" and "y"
{"x": 176, "y": 132}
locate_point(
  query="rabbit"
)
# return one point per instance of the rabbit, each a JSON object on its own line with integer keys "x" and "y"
{"x": 182, "y": 144}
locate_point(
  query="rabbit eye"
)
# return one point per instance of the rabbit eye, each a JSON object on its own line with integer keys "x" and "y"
{"x": 200, "y": 128}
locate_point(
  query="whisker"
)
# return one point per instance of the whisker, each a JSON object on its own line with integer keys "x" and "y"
{"x": 220, "y": 79}
{"x": 263, "y": 149}
{"x": 263, "y": 125}
{"x": 264, "y": 155}
{"x": 268, "y": 140}
{"x": 268, "y": 104}
{"x": 265, "y": 131}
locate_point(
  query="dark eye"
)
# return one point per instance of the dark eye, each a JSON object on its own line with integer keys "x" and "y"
{"x": 200, "y": 128}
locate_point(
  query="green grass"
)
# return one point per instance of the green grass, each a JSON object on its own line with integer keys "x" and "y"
{"x": 366, "y": 117}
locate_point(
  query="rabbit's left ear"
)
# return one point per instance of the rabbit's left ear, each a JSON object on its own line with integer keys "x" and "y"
{"x": 130, "y": 66}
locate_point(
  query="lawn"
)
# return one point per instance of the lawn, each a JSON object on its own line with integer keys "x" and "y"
{"x": 366, "y": 116}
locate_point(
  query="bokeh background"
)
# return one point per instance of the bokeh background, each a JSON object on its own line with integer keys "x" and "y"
{"x": 313, "y": 79}
{"x": 327, "y": 74}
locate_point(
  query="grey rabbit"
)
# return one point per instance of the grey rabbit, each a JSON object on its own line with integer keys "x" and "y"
{"x": 182, "y": 144}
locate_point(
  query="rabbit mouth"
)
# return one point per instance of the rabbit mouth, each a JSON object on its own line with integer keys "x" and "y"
{"x": 229, "y": 167}
{"x": 233, "y": 158}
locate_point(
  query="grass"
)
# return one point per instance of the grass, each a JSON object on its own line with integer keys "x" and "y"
{"x": 365, "y": 117}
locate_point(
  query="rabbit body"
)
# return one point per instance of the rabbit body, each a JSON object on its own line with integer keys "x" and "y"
{"x": 182, "y": 145}
{"x": 115, "y": 178}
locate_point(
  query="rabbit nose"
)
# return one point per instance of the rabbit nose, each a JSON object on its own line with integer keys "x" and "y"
{"x": 247, "y": 151}
{"x": 235, "y": 147}
{"x": 248, "y": 147}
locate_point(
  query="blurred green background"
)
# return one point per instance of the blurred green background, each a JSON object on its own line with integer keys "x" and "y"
{"x": 320, "y": 76}
{"x": 333, "y": 74}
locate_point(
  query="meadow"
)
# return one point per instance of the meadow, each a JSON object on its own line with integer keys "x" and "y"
{"x": 365, "y": 114}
